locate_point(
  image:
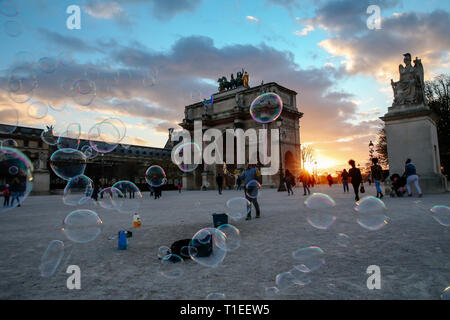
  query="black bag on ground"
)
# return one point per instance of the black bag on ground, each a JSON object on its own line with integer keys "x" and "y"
{"x": 204, "y": 247}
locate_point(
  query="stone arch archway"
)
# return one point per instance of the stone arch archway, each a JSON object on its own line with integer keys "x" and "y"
{"x": 289, "y": 162}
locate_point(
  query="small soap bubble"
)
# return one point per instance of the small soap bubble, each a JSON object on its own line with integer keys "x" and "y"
{"x": 171, "y": 266}
{"x": 371, "y": 213}
{"x": 309, "y": 258}
{"x": 215, "y": 296}
{"x": 82, "y": 226}
{"x": 51, "y": 258}
{"x": 266, "y": 107}
{"x": 441, "y": 214}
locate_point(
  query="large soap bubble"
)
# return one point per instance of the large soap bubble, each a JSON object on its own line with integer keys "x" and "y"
{"x": 186, "y": 164}
{"x": 321, "y": 206}
{"x": 16, "y": 172}
{"x": 51, "y": 258}
{"x": 132, "y": 197}
{"x": 68, "y": 163}
{"x": 10, "y": 143}
{"x": 309, "y": 259}
{"x": 68, "y": 140}
{"x": 232, "y": 235}
{"x": 441, "y": 214}
{"x": 252, "y": 189}
{"x": 266, "y": 107}
{"x": 104, "y": 137}
{"x": 211, "y": 247}
{"x": 238, "y": 208}
{"x": 371, "y": 213}
{"x": 155, "y": 176}
{"x": 37, "y": 109}
{"x": 48, "y": 137}
{"x": 110, "y": 198}
{"x": 83, "y": 91}
{"x": 82, "y": 226}
{"x": 78, "y": 190}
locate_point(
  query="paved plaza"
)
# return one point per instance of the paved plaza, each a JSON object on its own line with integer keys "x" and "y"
{"x": 412, "y": 250}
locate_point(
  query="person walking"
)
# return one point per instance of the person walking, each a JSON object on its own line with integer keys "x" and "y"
{"x": 251, "y": 190}
{"x": 344, "y": 176}
{"x": 180, "y": 185}
{"x": 376, "y": 173}
{"x": 411, "y": 178}
{"x": 95, "y": 191}
{"x": 290, "y": 181}
{"x": 219, "y": 181}
{"x": 355, "y": 178}
{"x": 330, "y": 180}
{"x": 6, "y": 194}
{"x": 305, "y": 179}
{"x": 15, "y": 192}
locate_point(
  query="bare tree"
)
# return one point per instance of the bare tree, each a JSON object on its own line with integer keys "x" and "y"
{"x": 381, "y": 147}
{"x": 308, "y": 155}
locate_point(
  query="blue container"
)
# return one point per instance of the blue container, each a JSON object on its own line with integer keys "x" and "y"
{"x": 123, "y": 241}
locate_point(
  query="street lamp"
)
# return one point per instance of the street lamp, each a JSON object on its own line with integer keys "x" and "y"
{"x": 281, "y": 187}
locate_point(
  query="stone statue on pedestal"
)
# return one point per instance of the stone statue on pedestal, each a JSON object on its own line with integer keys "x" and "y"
{"x": 409, "y": 90}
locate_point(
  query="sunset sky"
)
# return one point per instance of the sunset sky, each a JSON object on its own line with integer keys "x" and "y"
{"x": 322, "y": 49}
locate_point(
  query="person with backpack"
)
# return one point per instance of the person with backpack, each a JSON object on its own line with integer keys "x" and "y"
{"x": 344, "y": 176}
{"x": 376, "y": 175}
{"x": 355, "y": 178}
{"x": 252, "y": 173}
{"x": 411, "y": 178}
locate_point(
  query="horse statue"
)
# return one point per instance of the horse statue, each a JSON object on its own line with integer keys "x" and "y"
{"x": 224, "y": 84}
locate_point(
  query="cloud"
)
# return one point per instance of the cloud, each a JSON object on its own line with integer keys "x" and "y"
{"x": 68, "y": 42}
{"x": 107, "y": 10}
{"x": 287, "y": 4}
{"x": 304, "y": 31}
{"x": 379, "y": 52}
{"x": 163, "y": 9}
{"x": 251, "y": 18}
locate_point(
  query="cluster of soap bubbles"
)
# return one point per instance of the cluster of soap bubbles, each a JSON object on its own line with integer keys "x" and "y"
{"x": 208, "y": 247}
{"x": 266, "y": 108}
{"x": 123, "y": 196}
{"x": 12, "y": 28}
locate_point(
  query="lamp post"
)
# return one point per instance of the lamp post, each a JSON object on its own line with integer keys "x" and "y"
{"x": 281, "y": 187}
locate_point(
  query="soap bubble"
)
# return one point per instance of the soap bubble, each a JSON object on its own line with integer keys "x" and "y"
{"x": 21, "y": 182}
{"x": 284, "y": 281}
{"x": 68, "y": 140}
{"x": 342, "y": 240}
{"x": 83, "y": 92}
{"x": 320, "y": 215}
{"x": 10, "y": 143}
{"x": 110, "y": 198}
{"x": 82, "y": 226}
{"x": 188, "y": 164}
{"x": 149, "y": 79}
{"x": 155, "y": 176}
{"x": 163, "y": 251}
{"x": 446, "y": 294}
{"x": 91, "y": 74}
{"x": 266, "y": 107}
{"x": 104, "y": 137}
{"x": 171, "y": 266}
{"x": 68, "y": 163}
{"x": 12, "y": 28}
{"x": 233, "y": 236}
{"x": 48, "y": 137}
{"x": 309, "y": 259}
{"x": 57, "y": 103}
{"x": 370, "y": 212}
{"x": 51, "y": 258}
{"x": 441, "y": 214}
{"x": 8, "y": 8}
{"x": 22, "y": 80}
{"x": 271, "y": 291}
{"x": 211, "y": 247}
{"x": 65, "y": 58}
{"x": 19, "y": 97}
{"x": 10, "y": 119}
{"x": 13, "y": 170}
{"x": 252, "y": 188}
{"x": 37, "y": 109}
{"x": 215, "y": 296}
{"x": 187, "y": 251}
{"x": 238, "y": 208}
{"x": 119, "y": 126}
{"x": 196, "y": 95}
{"x": 47, "y": 65}
{"x": 132, "y": 197}
{"x": 24, "y": 58}
{"x": 89, "y": 152}
{"x": 78, "y": 190}
{"x": 301, "y": 278}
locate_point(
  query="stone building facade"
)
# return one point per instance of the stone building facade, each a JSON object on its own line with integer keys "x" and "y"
{"x": 230, "y": 110}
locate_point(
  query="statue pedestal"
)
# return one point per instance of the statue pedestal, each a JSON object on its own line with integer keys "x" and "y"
{"x": 41, "y": 182}
{"x": 411, "y": 133}
{"x": 188, "y": 181}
